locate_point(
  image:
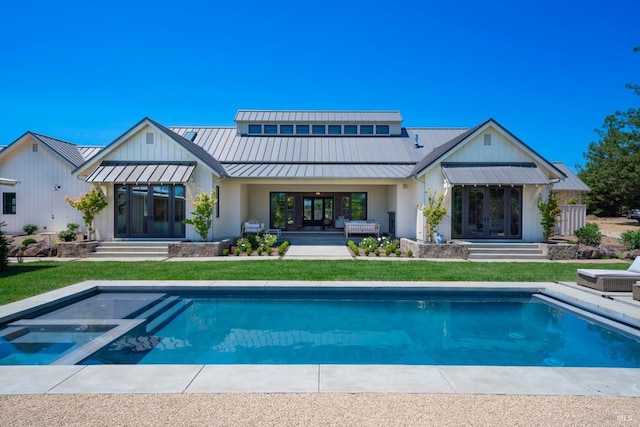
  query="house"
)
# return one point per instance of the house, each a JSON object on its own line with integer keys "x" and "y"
{"x": 36, "y": 171}
{"x": 321, "y": 170}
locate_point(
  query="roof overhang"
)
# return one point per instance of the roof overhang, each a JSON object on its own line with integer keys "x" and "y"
{"x": 494, "y": 174}
{"x": 142, "y": 172}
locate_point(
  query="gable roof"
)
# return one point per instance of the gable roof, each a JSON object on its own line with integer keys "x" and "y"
{"x": 438, "y": 154}
{"x": 194, "y": 149}
{"x": 71, "y": 153}
{"x": 571, "y": 182}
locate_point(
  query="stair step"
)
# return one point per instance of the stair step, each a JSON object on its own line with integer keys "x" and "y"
{"x": 168, "y": 315}
{"x": 131, "y": 250}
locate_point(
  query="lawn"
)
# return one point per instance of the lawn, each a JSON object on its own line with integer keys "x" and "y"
{"x": 19, "y": 281}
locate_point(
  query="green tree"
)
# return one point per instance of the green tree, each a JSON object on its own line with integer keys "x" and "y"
{"x": 549, "y": 210}
{"x": 433, "y": 212}
{"x": 202, "y": 217}
{"x": 612, "y": 167}
{"x": 89, "y": 204}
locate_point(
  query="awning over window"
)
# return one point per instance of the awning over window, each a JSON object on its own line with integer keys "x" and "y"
{"x": 142, "y": 172}
{"x": 469, "y": 174}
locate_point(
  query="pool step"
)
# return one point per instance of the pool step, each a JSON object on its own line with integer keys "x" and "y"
{"x": 131, "y": 249}
{"x": 517, "y": 251}
{"x": 165, "y": 316}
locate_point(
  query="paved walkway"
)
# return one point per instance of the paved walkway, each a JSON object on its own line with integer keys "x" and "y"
{"x": 317, "y": 252}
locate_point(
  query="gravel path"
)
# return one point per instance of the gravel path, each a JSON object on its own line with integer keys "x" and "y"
{"x": 316, "y": 410}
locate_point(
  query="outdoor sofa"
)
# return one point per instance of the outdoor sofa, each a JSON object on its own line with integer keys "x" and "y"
{"x": 610, "y": 280}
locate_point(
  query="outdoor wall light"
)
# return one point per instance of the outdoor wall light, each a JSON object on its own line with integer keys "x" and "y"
{"x": 56, "y": 187}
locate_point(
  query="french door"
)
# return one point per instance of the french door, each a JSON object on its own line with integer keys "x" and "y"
{"x": 487, "y": 212}
{"x": 150, "y": 211}
{"x": 317, "y": 211}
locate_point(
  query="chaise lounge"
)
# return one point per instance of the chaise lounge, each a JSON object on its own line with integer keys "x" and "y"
{"x": 610, "y": 280}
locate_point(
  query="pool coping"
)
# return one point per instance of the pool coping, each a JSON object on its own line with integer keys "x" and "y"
{"x": 314, "y": 378}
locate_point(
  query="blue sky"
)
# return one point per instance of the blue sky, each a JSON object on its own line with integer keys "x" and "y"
{"x": 549, "y": 71}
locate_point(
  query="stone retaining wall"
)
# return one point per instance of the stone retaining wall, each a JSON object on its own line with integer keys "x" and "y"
{"x": 76, "y": 249}
{"x": 434, "y": 250}
{"x": 198, "y": 249}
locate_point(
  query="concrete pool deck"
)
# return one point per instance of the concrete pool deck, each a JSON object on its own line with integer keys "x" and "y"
{"x": 63, "y": 379}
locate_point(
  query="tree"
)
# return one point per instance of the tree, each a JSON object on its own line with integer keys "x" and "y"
{"x": 433, "y": 212}
{"x": 549, "y": 211}
{"x": 89, "y": 204}
{"x": 202, "y": 217}
{"x": 612, "y": 167}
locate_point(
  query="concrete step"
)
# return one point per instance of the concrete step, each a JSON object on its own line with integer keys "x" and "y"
{"x": 131, "y": 250}
{"x": 520, "y": 251}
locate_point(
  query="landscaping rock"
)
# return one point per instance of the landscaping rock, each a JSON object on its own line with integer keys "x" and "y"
{"x": 434, "y": 250}
{"x": 198, "y": 249}
{"x": 76, "y": 249}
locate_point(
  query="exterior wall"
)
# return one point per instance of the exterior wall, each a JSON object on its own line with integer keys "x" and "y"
{"x": 500, "y": 150}
{"x": 571, "y": 218}
{"x": 381, "y": 199}
{"x": 36, "y": 200}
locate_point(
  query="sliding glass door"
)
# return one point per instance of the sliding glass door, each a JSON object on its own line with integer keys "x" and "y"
{"x": 487, "y": 212}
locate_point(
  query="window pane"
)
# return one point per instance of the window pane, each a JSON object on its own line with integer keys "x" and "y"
{"x": 278, "y": 210}
{"x": 302, "y": 129}
{"x": 255, "y": 128}
{"x": 335, "y": 129}
{"x": 160, "y": 209}
{"x": 382, "y": 130}
{"x": 358, "y": 206}
{"x": 270, "y": 129}
{"x": 286, "y": 129}
{"x": 350, "y": 129}
{"x": 457, "y": 212}
{"x": 366, "y": 129}
{"x": 318, "y": 129}
{"x": 180, "y": 209}
{"x": 121, "y": 210}
{"x": 9, "y": 203}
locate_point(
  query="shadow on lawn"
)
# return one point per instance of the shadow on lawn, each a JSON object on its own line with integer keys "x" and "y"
{"x": 15, "y": 269}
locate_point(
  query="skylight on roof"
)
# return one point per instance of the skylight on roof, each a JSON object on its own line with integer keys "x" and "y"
{"x": 191, "y": 135}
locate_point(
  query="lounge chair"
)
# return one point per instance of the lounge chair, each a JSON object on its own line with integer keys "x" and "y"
{"x": 610, "y": 280}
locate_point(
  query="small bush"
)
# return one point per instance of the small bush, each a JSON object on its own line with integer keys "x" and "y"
{"x": 237, "y": 252}
{"x": 369, "y": 243}
{"x": 630, "y": 239}
{"x": 259, "y": 250}
{"x": 589, "y": 234}
{"x": 253, "y": 240}
{"x": 398, "y": 252}
{"x": 249, "y": 251}
{"x": 283, "y": 247}
{"x": 225, "y": 252}
{"x": 243, "y": 244}
{"x": 354, "y": 248}
{"x": 377, "y": 252}
{"x": 27, "y": 242}
{"x": 69, "y": 235}
{"x": 410, "y": 253}
{"x": 30, "y": 228}
{"x": 388, "y": 251}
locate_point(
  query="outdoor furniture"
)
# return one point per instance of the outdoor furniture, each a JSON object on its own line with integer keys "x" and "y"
{"x": 361, "y": 227}
{"x": 636, "y": 291}
{"x": 610, "y": 280}
{"x": 275, "y": 231}
{"x": 252, "y": 227}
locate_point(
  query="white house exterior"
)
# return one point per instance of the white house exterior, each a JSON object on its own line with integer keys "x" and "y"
{"x": 300, "y": 170}
{"x": 36, "y": 171}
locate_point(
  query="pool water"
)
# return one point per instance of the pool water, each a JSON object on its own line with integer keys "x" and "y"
{"x": 450, "y": 329}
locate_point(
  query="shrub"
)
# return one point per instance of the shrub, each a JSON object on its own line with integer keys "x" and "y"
{"x": 377, "y": 252}
{"x": 27, "y": 242}
{"x": 369, "y": 243}
{"x": 237, "y": 252}
{"x": 589, "y": 234}
{"x": 283, "y": 247}
{"x": 398, "y": 252}
{"x": 354, "y": 248}
{"x": 249, "y": 251}
{"x": 30, "y": 228}
{"x": 70, "y": 233}
{"x": 410, "y": 253}
{"x": 549, "y": 211}
{"x": 388, "y": 251}
{"x": 253, "y": 240}
{"x": 259, "y": 250}
{"x": 630, "y": 239}
{"x": 225, "y": 252}
{"x": 243, "y": 244}
{"x": 267, "y": 242}
{"x": 366, "y": 252}
{"x": 4, "y": 249}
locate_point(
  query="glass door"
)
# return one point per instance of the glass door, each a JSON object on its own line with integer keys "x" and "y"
{"x": 150, "y": 211}
{"x": 317, "y": 211}
{"x": 487, "y": 212}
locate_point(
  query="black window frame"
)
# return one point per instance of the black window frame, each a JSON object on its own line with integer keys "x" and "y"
{"x": 270, "y": 129}
{"x": 334, "y": 129}
{"x": 286, "y": 129}
{"x": 382, "y": 130}
{"x": 302, "y": 129}
{"x": 350, "y": 129}
{"x": 369, "y": 129}
{"x": 318, "y": 129}
{"x": 9, "y": 203}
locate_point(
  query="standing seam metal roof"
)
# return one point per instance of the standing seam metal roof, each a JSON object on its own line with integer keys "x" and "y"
{"x": 265, "y": 116}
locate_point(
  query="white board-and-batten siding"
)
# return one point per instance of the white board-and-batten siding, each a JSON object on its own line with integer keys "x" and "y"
{"x": 37, "y": 202}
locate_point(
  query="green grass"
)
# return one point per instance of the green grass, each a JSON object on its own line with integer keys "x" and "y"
{"x": 19, "y": 281}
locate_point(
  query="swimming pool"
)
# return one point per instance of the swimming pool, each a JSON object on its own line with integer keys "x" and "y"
{"x": 308, "y": 326}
